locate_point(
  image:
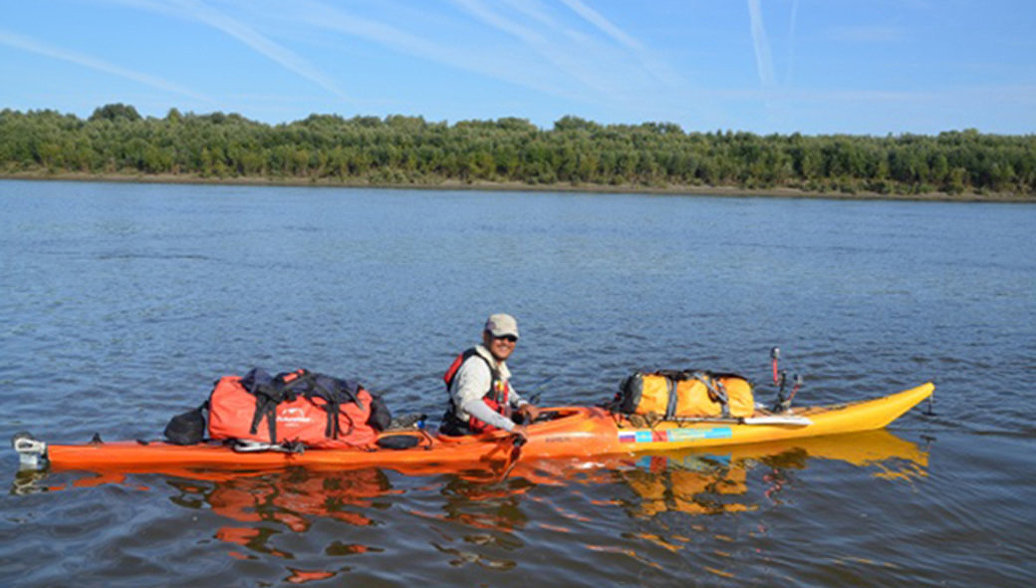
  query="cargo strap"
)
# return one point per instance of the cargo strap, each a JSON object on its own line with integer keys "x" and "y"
{"x": 269, "y": 392}
{"x": 670, "y": 409}
{"x": 717, "y": 391}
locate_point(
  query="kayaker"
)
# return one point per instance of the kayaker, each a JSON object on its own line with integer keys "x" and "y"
{"x": 481, "y": 396}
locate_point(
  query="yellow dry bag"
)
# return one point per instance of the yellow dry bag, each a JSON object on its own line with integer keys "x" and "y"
{"x": 677, "y": 394}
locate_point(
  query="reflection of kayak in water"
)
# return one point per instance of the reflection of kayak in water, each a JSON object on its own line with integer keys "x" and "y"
{"x": 859, "y": 449}
{"x": 705, "y": 482}
{"x": 259, "y": 504}
{"x": 562, "y": 432}
{"x": 289, "y": 497}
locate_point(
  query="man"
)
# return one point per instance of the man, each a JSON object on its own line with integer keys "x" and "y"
{"x": 481, "y": 397}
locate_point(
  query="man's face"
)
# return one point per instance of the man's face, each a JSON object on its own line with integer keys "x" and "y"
{"x": 500, "y": 347}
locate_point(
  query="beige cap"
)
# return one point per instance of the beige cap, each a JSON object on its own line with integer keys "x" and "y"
{"x": 501, "y": 325}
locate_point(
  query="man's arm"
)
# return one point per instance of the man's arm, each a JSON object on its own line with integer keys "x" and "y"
{"x": 523, "y": 406}
{"x": 481, "y": 411}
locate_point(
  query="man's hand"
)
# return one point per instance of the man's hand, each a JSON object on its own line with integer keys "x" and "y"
{"x": 530, "y": 412}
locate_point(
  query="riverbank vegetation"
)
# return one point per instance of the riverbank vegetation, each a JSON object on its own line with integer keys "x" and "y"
{"x": 404, "y": 150}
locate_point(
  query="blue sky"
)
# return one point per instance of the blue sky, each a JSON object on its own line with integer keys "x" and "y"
{"x": 811, "y": 66}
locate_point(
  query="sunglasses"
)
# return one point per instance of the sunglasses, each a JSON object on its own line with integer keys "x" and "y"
{"x": 508, "y": 338}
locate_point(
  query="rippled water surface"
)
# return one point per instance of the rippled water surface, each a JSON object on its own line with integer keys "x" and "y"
{"x": 121, "y": 303}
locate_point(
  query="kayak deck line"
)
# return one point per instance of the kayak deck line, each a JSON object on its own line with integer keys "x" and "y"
{"x": 564, "y": 432}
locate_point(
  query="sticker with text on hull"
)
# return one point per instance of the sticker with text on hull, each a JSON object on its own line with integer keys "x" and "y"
{"x": 675, "y": 435}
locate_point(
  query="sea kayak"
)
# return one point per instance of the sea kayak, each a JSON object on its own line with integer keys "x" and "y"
{"x": 560, "y": 432}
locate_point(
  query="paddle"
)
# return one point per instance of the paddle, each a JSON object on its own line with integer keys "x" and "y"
{"x": 537, "y": 389}
{"x": 516, "y": 452}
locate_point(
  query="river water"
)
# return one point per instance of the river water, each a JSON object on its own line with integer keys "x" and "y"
{"x": 121, "y": 303}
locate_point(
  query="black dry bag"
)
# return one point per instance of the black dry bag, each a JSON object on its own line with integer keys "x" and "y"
{"x": 187, "y": 428}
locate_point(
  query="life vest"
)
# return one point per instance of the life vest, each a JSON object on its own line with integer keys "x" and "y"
{"x": 297, "y": 407}
{"x": 496, "y": 398}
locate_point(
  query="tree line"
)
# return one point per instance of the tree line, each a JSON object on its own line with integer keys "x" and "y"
{"x": 397, "y": 149}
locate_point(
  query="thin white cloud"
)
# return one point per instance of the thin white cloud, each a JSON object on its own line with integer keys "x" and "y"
{"x": 564, "y": 60}
{"x": 602, "y": 23}
{"x": 193, "y": 10}
{"x": 534, "y": 10}
{"x": 656, "y": 68}
{"x": 763, "y": 59}
{"x": 482, "y": 12}
{"x": 31, "y": 45}
{"x": 334, "y": 19}
{"x": 601, "y": 65}
{"x": 619, "y": 76}
{"x": 316, "y": 14}
{"x": 793, "y": 22}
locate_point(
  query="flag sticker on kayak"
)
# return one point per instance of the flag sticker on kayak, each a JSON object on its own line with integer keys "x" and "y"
{"x": 675, "y": 435}
{"x": 635, "y": 437}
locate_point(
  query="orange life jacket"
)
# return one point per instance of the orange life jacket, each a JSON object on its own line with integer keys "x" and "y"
{"x": 496, "y": 398}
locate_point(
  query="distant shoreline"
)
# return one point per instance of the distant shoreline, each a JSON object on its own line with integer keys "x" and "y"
{"x": 683, "y": 190}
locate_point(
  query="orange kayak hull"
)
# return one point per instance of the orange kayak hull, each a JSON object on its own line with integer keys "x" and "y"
{"x": 573, "y": 432}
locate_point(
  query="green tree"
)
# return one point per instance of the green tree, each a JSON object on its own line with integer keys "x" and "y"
{"x": 114, "y": 112}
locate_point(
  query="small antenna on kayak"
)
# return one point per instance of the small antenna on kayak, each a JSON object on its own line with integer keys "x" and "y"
{"x": 775, "y": 354}
{"x": 780, "y": 380}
